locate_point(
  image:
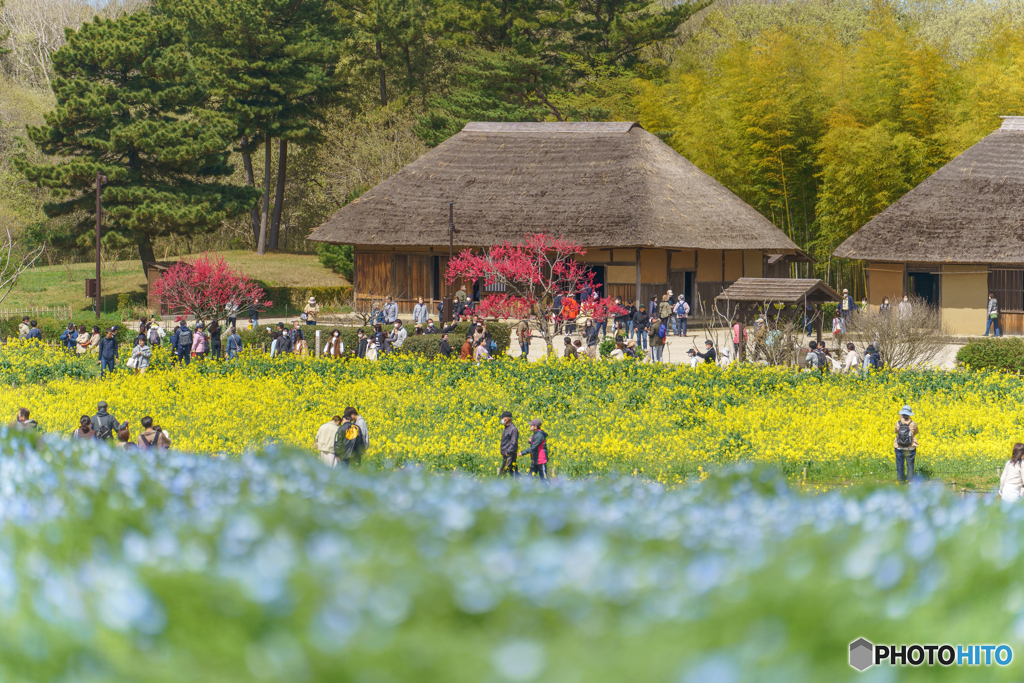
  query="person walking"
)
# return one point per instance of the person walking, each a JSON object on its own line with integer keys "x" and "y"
{"x": 652, "y": 308}
{"x": 335, "y": 347}
{"x": 231, "y": 313}
{"x": 659, "y": 332}
{"x": 104, "y": 423}
{"x": 299, "y": 345}
{"x": 155, "y": 334}
{"x": 390, "y": 311}
{"x": 353, "y": 438}
{"x": 84, "y": 430}
{"x": 538, "y": 450}
{"x": 992, "y": 319}
{"x": 640, "y": 322}
{"x": 215, "y": 341}
{"x": 590, "y": 333}
{"x": 141, "y": 355}
{"x": 628, "y": 318}
{"x": 325, "y": 440}
{"x": 311, "y": 311}
{"x": 234, "y": 346}
{"x": 903, "y": 308}
{"x": 905, "y": 445}
{"x": 150, "y": 436}
{"x": 181, "y": 343}
{"x": 665, "y": 310}
{"x": 34, "y": 332}
{"x": 466, "y": 353}
{"x": 739, "y": 339}
{"x": 107, "y": 352}
{"x": 523, "y": 335}
{"x": 199, "y": 343}
{"x": 420, "y": 312}
{"x": 847, "y": 306}
{"x": 509, "y": 446}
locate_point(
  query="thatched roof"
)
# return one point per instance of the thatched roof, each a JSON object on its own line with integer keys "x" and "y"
{"x": 600, "y": 184}
{"x": 969, "y": 211}
{"x": 778, "y": 290}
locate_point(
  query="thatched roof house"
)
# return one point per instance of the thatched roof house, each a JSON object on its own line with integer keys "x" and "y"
{"x": 956, "y": 236}
{"x": 634, "y": 202}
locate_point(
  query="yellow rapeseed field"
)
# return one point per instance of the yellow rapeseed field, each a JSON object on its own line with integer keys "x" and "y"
{"x": 659, "y": 421}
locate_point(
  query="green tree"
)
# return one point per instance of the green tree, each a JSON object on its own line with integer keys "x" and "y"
{"x": 273, "y": 65}
{"x": 130, "y": 105}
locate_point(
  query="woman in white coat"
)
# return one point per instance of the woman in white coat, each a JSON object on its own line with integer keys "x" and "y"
{"x": 1011, "y": 482}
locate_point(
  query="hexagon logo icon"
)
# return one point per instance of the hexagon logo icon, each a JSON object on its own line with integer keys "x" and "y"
{"x": 861, "y": 654}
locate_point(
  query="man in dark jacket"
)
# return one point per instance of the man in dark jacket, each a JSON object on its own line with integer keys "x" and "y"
{"x": 509, "y": 446}
{"x": 538, "y": 450}
{"x": 103, "y": 423}
{"x": 709, "y": 354}
{"x": 640, "y": 319}
{"x": 34, "y": 332}
{"x": 362, "y": 342}
{"x": 107, "y": 352}
{"x": 181, "y": 343}
{"x": 444, "y": 347}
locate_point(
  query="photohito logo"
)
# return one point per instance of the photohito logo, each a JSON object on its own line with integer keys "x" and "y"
{"x": 864, "y": 654}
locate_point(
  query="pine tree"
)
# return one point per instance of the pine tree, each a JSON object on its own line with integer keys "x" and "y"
{"x": 273, "y": 64}
{"x": 130, "y": 106}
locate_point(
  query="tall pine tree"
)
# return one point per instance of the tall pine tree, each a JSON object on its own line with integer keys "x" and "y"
{"x": 273, "y": 65}
{"x": 129, "y": 105}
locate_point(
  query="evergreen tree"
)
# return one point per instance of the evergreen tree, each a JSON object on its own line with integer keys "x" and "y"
{"x": 273, "y": 65}
{"x": 130, "y": 106}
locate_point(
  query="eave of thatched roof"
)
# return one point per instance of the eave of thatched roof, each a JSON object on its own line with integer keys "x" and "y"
{"x": 600, "y": 184}
{"x": 969, "y": 211}
{"x": 778, "y": 290}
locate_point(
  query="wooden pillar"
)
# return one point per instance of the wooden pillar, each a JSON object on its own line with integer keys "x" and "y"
{"x": 818, "y": 321}
{"x": 638, "y": 302}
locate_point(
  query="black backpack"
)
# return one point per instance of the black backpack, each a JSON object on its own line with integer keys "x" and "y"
{"x": 348, "y": 440}
{"x": 154, "y": 337}
{"x": 904, "y": 438}
{"x": 104, "y": 426}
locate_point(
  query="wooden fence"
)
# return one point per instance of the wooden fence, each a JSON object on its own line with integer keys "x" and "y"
{"x": 59, "y": 312}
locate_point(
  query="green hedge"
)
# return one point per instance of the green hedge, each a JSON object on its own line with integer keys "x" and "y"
{"x": 426, "y": 345}
{"x": 297, "y": 297}
{"x": 53, "y": 327}
{"x": 993, "y": 353}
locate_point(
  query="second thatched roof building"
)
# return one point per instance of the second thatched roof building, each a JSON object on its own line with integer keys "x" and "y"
{"x": 955, "y": 237}
{"x": 650, "y": 219}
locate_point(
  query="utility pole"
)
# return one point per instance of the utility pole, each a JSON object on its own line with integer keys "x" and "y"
{"x": 100, "y": 179}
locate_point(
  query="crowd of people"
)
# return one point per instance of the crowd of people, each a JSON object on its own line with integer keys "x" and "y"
{"x": 105, "y": 427}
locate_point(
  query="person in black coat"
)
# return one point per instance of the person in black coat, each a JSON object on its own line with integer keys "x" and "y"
{"x": 709, "y": 355}
{"x": 444, "y": 347}
{"x": 362, "y": 342}
{"x": 107, "y": 352}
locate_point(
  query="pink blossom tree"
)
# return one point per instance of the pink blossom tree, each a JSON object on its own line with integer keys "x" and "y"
{"x": 531, "y": 273}
{"x": 204, "y": 288}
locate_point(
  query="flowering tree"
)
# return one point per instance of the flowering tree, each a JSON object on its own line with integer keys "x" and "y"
{"x": 532, "y": 273}
{"x": 205, "y": 287}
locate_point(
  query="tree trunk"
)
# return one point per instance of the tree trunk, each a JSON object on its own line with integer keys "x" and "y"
{"x": 383, "y": 80}
{"x": 146, "y": 254}
{"x": 251, "y": 180}
{"x": 282, "y": 167}
{"x": 261, "y": 243}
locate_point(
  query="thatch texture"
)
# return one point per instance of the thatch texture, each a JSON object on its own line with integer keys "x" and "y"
{"x": 778, "y": 290}
{"x": 969, "y": 211}
{"x": 600, "y": 184}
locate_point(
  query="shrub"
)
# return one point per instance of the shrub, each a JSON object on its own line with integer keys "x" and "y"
{"x": 338, "y": 258}
{"x": 1005, "y": 354}
{"x": 298, "y": 296}
{"x": 52, "y": 327}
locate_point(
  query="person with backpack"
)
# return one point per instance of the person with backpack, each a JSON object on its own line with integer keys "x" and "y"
{"x": 905, "y": 444}
{"x": 181, "y": 343}
{"x": 155, "y": 336}
{"x": 353, "y": 438}
{"x": 325, "y": 440}
{"x": 234, "y": 343}
{"x": 872, "y": 359}
{"x": 538, "y": 450}
{"x": 682, "y": 311}
{"x": 659, "y": 332}
{"x": 108, "y": 352}
{"x": 813, "y": 359}
{"x": 103, "y": 423}
{"x": 509, "y": 446}
{"x": 150, "y": 437}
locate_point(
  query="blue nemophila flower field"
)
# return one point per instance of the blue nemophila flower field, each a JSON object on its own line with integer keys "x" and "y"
{"x": 135, "y": 566}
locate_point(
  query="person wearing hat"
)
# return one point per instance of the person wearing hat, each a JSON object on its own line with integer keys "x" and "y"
{"x": 630, "y": 350}
{"x": 692, "y": 359}
{"x": 509, "y": 446}
{"x": 103, "y": 423}
{"x": 846, "y": 308}
{"x": 538, "y": 450}
{"x": 871, "y": 358}
{"x": 311, "y": 311}
{"x": 905, "y": 444}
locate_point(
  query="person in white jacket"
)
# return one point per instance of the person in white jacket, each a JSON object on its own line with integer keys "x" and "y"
{"x": 399, "y": 335}
{"x": 852, "y": 361}
{"x": 325, "y": 441}
{"x": 1011, "y": 481}
{"x": 419, "y": 313}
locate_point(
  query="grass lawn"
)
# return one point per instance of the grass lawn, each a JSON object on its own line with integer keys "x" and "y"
{"x": 65, "y": 285}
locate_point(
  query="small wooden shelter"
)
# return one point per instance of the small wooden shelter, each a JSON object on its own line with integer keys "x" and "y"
{"x": 750, "y": 296}
{"x": 649, "y": 219}
{"x": 955, "y": 237}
